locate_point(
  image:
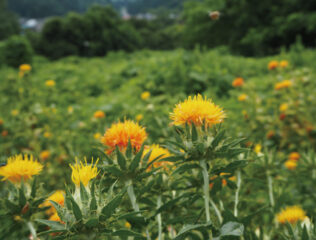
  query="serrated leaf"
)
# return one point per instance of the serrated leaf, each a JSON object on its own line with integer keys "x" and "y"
{"x": 83, "y": 193}
{"x": 52, "y": 224}
{"x": 184, "y": 231}
{"x": 120, "y": 158}
{"x": 22, "y": 198}
{"x": 93, "y": 204}
{"x": 232, "y": 229}
{"x": 74, "y": 206}
{"x": 93, "y": 222}
{"x": 113, "y": 170}
{"x": 33, "y": 191}
{"x": 194, "y": 133}
{"x": 218, "y": 138}
{"x": 129, "y": 149}
{"x": 127, "y": 233}
{"x": 185, "y": 167}
{"x": 135, "y": 163}
{"x": 109, "y": 208}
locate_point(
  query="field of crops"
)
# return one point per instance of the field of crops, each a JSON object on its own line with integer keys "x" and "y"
{"x": 158, "y": 160}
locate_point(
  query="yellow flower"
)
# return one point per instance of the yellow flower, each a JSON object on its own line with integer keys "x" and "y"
{"x": 55, "y": 218}
{"x": 70, "y": 109}
{"x": 290, "y": 164}
{"x": 99, "y": 114}
{"x": 50, "y": 83}
{"x": 294, "y": 156}
{"x": 44, "y": 155}
{"x": 283, "y": 107}
{"x": 284, "y": 64}
{"x": 25, "y": 68}
{"x": 273, "y": 65}
{"x": 127, "y": 225}
{"x": 283, "y": 84}
{"x": 47, "y": 134}
{"x": 19, "y": 167}
{"x": 58, "y": 197}
{"x": 14, "y": 112}
{"x": 97, "y": 136}
{"x": 139, "y": 117}
{"x": 145, "y": 95}
{"x": 120, "y": 133}
{"x": 242, "y": 97}
{"x": 17, "y": 218}
{"x": 238, "y": 82}
{"x": 258, "y": 148}
{"x": 83, "y": 172}
{"x": 291, "y": 214}
{"x": 157, "y": 153}
{"x": 197, "y": 110}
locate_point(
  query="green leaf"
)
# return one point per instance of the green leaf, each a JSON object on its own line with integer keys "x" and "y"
{"x": 22, "y": 198}
{"x": 129, "y": 149}
{"x": 120, "y": 158}
{"x": 305, "y": 234}
{"x": 83, "y": 193}
{"x": 33, "y": 192}
{"x": 74, "y": 206}
{"x": 136, "y": 160}
{"x": 92, "y": 222}
{"x": 93, "y": 204}
{"x": 218, "y": 138}
{"x": 113, "y": 170}
{"x": 127, "y": 233}
{"x": 194, "y": 133}
{"x": 57, "y": 207}
{"x": 52, "y": 224}
{"x": 185, "y": 167}
{"x": 232, "y": 229}
{"x": 109, "y": 209}
{"x": 184, "y": 231}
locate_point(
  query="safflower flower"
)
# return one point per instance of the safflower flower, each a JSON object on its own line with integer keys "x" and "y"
{"x": 284, "y": 64}
{"x": 294, "y": 156}
{"x": 50, "y": 83}
{"x": 99, "y": 114}
{"x": 291, "y": 214}
{"x": 283, "y": 84}
{"x": 290, "y": 164}
{"x": 82, "y": 172}
{"x": 145, "y": 95}
{"x": 242, "y": 97}
{"x": 238, "y": 82}
{"x": 158, "y": 153}
{"x": 273, "y": 65}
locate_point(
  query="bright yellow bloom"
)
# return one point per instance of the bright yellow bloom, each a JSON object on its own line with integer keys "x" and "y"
{"x": 58, "y": 197}
{"x": 15, "y": 112}
{"x": 97, "y": 136}
{"x": 55, "y": 218}
{"x": 44, "y": 155}
{"x": 50, "y": 83}
{"x": 47, "y": 134}
{"x": 139, "y": 117}
{"x": 83, "y": 172}
{"x": 294, "y": 156}
{"x": 120, "y": 133}
{"x": 99, "y": 114}
{"x": 291, "y": 214}
{"x": 290, "y": 164}
{"x": 197, "y": 110}
{"x": 242, "y": 97}
{"x": 258, "y": 148}
{"x": 273, "y": 65}
{"x": 145, "y": 95}
{"x": 238, "y": 82}
{"x": 127, "y": 225}
{"x": 284, "y": 64}
{"x": 283, "y": 107}
{"x": 25, "y": 68}
{"x": 283, "y": 84}
{"x": 19, "y": 167}
{"x": 157, "y": 153}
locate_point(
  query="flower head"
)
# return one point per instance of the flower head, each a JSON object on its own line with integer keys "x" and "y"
{"x": 58, "y": 197}
{"x": 157, "y": 153}
{"x": 15, "y": 112}
{"x": 270, "y": 134}
{"x": 1, "y": 121}
{"x": 44, "y": 155}
{"x": 294, "y": 156}
{"x": 97, "y": 136}
{"x": 145, "y": 95}
{"x": 273, "y": 65}
{"x": 4, "y": 133}
{"x": 283, "y": 107}
{"x": 25, "y": 68}
{"x": 291, "y": 214}
{"x": 242, "y": 97}
{"x": 19, "y": 167}
{"x": 139, "y": 117}
{"x": 47, "y": 134}
{"x": 55, "y": 218}
{"x": 283, "y": 84}
{"x": 290, "y": 164}
{"x": 83, "y": 172}
{"x": 120, "y": 133}
{"x": 197, "y": 110}
{"x": 50, "y": 83}
{"x": 99, "y": 114}
{"x": 258, "y": 148}
{"x": 214, "y": 15}
{"x": 284, "y": 64}
{"x": 238, "y": 82}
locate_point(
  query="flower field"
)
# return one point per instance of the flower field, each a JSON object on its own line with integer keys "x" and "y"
{"x": 159, "y": 145}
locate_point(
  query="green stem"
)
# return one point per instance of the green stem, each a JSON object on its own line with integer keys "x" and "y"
{"x": 206, "y": 190}
{"x": 131, "y": 195}
{"x": 159, "y": 203}
{"x": 270, "y": 188}
{"x": 237, "y": 193}
{"x": 32, "y": 229}
{"x": 217, "y": 211}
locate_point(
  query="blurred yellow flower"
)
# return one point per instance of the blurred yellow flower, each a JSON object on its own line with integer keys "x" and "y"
{"x": 15, "y": 112}
{"x": 44, "y": 155}
{"x": 157, "y": 153}
{"x": 127, "y": 225}
{"x": 47, "y": 134}
{"x": 238, "y": 82}
{"x": 139, "y": 117}
{"x": 19, "y": 167}
{"x": 70, "y": 109}
{"x": 273, "y": 65}
{"x": 145, "y": 95}
{"x": 291, "y": 214}
{"x": 1, "y": 121}
{"x": 83, "y": 172}
{"x": 58, "y": 197}
{"x": 97, "y": 136}
{"x": 284, "y": 64}
{"x": 197, "y": 110}
{"x": 55, "y": 218}
{"x": 283, "y": 107}
{"x": 258, "y": 148}
{"x": 242, "y": 97}
{"x": 17, "y": 218}
{"x": 283, "y": 84}
{"x": 120, "y": 133}
{"x": 50, "y": 83}
{"x": 99, "y": 114}
{"x": 294, "y": 156}
{"x": 25, "y": 68}
{"x": 290, "y": 164}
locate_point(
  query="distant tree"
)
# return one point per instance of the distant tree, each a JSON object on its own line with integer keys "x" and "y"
{"x": 8, "y": 22}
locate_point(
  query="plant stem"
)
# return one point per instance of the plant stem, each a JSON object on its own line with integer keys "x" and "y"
{"x": 131, "y": 195}
{"x": 206, "y": 189}
{"x": 32, "y": 229}
{"x": 237, "y": 193}
{"x": 159, "y": 203}
{"x": 270, "y": 188}
{"x": 218, "y": 213}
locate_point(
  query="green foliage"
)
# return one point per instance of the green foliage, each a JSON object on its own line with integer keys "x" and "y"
{"x": 8, "y": 22}
{"x": 16, "y": 51}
